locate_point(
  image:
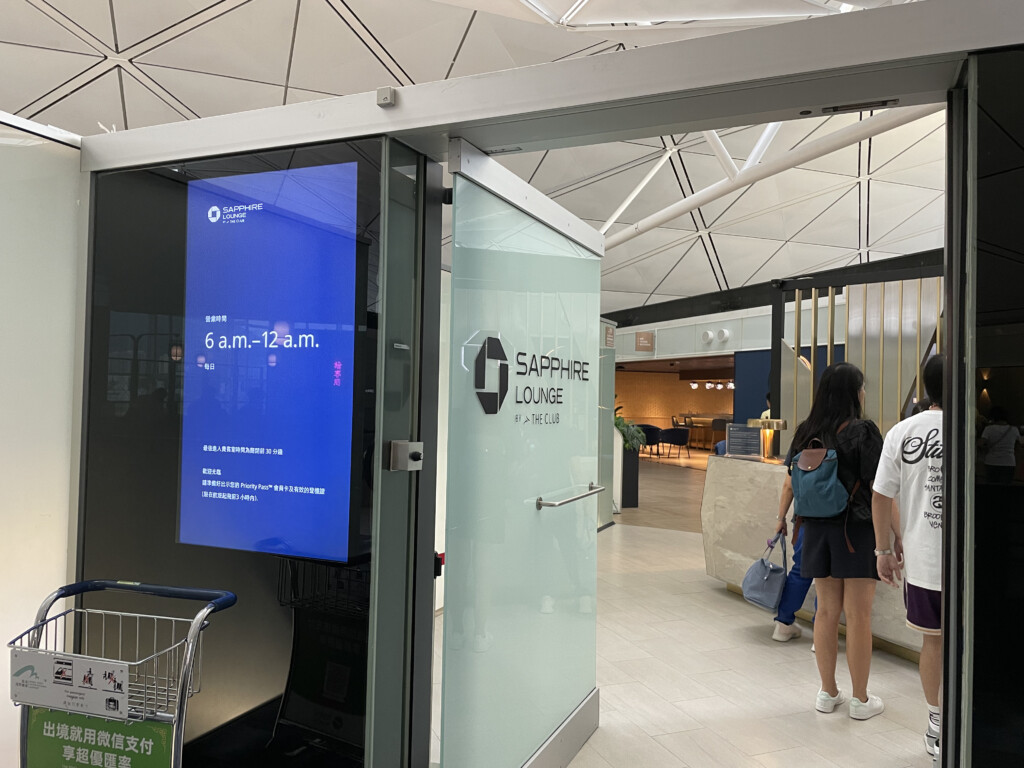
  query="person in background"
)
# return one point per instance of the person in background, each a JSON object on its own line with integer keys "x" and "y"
{"x": 767, "y": 412}
{"x": 911, "y": 467}
{"x": 838, "y": 552}
{"x": 998, "y": 443}
{"x": 797, "y": 586}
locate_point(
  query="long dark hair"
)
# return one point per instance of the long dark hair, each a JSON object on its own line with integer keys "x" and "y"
{"x": 836, "y": 402}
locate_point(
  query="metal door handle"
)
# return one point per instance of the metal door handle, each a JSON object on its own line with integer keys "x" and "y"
{"x": 593, "y": 490}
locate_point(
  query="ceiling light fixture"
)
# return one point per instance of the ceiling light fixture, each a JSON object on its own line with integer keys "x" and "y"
{"x": 694, "y": 385}
{"x": 719, "y": 385}
{"x": 709, "y": 385}
{"x": 731, "y": 385}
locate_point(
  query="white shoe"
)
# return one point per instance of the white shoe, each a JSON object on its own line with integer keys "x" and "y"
{"x": 865, "y": 710}
{"x": 937, "y": 758}
{"x": 812, "y": 647}
{"x": 931, "y": 742}
{"x": 826, "y": 703}
{"x": 786, "y": 632}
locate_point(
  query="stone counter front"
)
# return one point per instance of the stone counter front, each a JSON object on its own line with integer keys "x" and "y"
{"x": 741, "y": 501}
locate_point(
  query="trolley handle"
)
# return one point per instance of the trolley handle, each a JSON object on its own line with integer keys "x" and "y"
{"x": 218, "y": 598}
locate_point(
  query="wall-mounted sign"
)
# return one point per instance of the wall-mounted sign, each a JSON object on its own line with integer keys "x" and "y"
{"x": 609, "y": 336}
{"x": 644, "y": 341}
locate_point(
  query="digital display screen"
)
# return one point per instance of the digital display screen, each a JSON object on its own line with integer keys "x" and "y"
{"x": 268, "y": 352}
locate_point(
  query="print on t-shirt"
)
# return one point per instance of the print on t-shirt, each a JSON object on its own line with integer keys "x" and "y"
{"x": 911, "y": 468}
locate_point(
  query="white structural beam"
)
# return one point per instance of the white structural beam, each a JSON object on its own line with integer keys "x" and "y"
{"x": 913, "y": 52}
{"x": 724, "y": 158}
{"x": 665, "y": 157}
{"x": 844, "y": 137}
{"x": 767, "y": 137}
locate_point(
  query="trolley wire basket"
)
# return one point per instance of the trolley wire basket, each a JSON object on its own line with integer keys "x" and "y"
{"x": 150, "y": 648}
{"x": 118, "y": 666}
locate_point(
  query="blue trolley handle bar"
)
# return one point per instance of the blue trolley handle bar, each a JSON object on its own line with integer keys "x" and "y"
{"x": 218, "y": 598}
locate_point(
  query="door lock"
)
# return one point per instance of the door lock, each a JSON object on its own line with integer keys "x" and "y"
{"x": 406, "y": 456}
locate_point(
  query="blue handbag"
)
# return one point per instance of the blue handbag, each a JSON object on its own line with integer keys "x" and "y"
{"x": 764, "y": 581}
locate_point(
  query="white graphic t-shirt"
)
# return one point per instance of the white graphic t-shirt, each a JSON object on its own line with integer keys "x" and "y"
{"x": 911, "y": 468}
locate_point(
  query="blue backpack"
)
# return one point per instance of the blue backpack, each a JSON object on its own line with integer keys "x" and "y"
{"x": 817, "y": 488}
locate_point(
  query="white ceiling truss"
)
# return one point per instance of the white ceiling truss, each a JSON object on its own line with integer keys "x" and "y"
{"x": 94, "y": 65}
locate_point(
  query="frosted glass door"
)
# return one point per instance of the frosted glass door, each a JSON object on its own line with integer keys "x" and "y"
{"x": 520, "y": 625}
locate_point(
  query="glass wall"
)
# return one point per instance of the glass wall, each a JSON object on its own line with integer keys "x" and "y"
{"x": 152, "y": 257}
{"x": 520, "y": 623}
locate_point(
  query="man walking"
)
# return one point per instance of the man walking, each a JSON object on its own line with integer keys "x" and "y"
{"x": 911, "y": 468}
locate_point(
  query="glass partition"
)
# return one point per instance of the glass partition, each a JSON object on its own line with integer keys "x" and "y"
{"x": 520, "y": 626}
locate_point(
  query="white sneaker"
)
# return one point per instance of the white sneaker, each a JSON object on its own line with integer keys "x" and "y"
{"x": 937, "y": 758}
{"x": 826, "y": 703}
{"x": 931, "y": 741}
{"x": 812, "y": 647}
{"x": 865, "y": 710}
{"x": 786, "y": 632}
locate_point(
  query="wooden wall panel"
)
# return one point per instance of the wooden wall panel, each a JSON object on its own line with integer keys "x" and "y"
{"x": 653, "y": 398}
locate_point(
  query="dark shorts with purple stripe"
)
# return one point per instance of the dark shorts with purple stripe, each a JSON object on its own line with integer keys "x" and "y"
{"x": 924, "y": 609}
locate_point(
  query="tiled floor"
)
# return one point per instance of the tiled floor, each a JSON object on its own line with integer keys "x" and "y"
{"x": 688, "y": 673}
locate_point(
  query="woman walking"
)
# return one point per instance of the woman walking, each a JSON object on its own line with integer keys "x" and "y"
{"x": 838, "y": 552}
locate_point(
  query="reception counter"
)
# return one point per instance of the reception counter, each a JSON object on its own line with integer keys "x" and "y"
{"x": 741, "y": 500}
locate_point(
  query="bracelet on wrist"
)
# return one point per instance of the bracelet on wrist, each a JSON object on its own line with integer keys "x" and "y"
{"x": 880, "y": 552}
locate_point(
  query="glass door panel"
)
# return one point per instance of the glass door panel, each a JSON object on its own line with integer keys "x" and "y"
{"x": 520, "y": 622}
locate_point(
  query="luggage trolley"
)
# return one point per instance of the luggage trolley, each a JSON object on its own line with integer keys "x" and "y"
{"x": 105, "y": 688}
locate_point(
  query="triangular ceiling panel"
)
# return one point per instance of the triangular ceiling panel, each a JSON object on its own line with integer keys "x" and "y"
{"x": 252, "y": 42}
{"x": 39, "y": 72}
{"x": 403, "y": 34}
{"x": 613, "y": 301}
{"x": 746, "y": 218}
{"x": 93, "y": 16}
{"x": 565, "y": 169}
{"x": 794, "y": 259}
{"x": 645, "y": 246}
{"x": 888, "y": 145}
{"x": 143, "y": 107}
{"x": 25, "y": 24}
{"x": 692, "y": 277}
{"x": 99, "y": 101}
{"x": 330, "y": 57}
{"x": 137, "y": 21}
{"x": 837, "y": 226}
{"x": 209, "y": 95}
{"x": 297, "y": 95}
{"x": 922, "y": 231}
{"x": 740, "y": 257}
{"x": 922, "y": 165}
{"x": 522, "y": 164}
{"x": 894, "y": 204}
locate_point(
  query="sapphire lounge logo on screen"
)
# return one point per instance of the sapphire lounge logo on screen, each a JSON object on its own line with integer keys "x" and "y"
{"x": 232, "y": 214}
{"x": 493, "y": 351}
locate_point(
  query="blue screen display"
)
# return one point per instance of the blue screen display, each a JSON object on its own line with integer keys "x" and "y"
{"x": 268, "y": 356}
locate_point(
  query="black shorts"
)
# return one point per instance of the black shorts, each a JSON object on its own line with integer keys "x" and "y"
{"x": 825, "y": 553}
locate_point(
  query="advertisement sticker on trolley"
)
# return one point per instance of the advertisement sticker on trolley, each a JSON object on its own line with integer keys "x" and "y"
{"x": 73, "y": 684}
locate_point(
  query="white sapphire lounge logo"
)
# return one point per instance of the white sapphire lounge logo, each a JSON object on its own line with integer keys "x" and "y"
{"x": 213, "y": 214}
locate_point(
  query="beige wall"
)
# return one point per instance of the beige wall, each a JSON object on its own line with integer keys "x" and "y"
{"x": 653, "y": 398}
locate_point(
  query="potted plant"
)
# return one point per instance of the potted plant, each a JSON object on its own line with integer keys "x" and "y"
{"x": 632, "y": 438}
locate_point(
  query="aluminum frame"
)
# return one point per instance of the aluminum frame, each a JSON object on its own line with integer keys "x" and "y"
{"x": 469, "y": 162}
